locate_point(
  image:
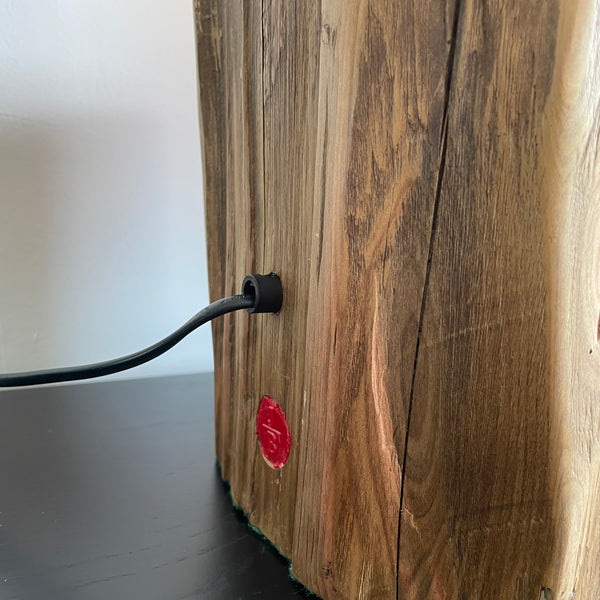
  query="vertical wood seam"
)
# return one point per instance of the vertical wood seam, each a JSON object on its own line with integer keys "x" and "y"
{"x": 434, "y": 219}
{"x": 262, "y": 267}
{"x": 262, "y": 85}
{"x": 257, "y": 84}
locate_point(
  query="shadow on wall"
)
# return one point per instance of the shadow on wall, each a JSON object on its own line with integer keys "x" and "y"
{"x": 71, "y": 195}
{"x": 28, "y": 172}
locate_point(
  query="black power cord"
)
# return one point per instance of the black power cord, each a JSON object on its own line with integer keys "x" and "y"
{"x": 260, "y": 293}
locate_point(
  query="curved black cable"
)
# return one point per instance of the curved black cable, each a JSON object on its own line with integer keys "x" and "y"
{"x": 216, "y": 309}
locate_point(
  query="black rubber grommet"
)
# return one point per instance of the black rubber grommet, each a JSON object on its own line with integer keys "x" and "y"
{"x": 266, "y": 291}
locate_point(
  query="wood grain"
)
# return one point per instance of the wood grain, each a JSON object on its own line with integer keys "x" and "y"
{"x": 261, "y": 154}
{"x": 425, "y": 178}
{"x": 377, "y": 187}
{"x": 478, "y": 459}
{"x": 571, "y": 201}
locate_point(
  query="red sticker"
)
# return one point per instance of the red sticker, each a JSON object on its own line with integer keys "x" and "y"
{"x": 273, "y": 433}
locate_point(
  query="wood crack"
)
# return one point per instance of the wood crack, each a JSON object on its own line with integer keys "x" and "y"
{"x": 434, "y": 223}
{"x": 264, "y": 137}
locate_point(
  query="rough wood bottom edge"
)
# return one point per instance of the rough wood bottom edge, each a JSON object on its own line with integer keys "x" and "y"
{"x": 300, "y": 587}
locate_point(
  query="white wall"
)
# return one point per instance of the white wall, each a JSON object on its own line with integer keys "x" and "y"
{"x": 102, "y": 245}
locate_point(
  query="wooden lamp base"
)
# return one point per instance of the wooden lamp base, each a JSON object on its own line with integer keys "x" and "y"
{"x": 425, "y": 178}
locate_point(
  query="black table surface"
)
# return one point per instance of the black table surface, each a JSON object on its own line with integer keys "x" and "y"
{"x": 110, "y": 491}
